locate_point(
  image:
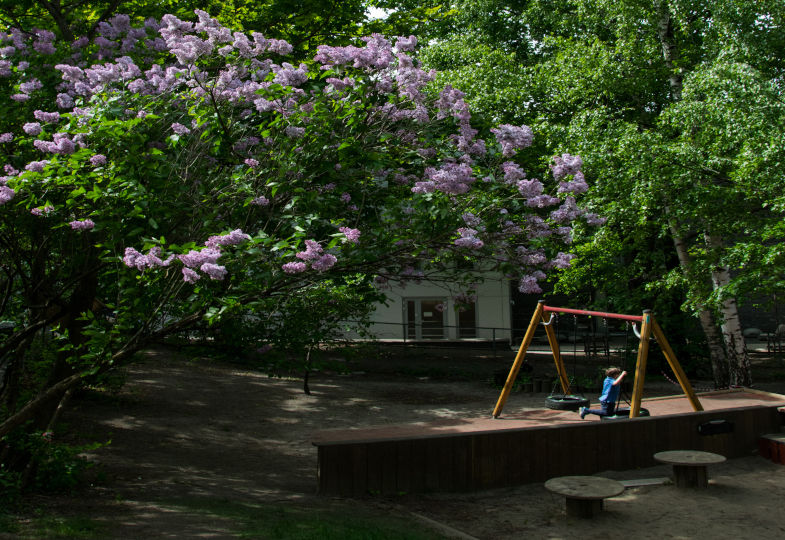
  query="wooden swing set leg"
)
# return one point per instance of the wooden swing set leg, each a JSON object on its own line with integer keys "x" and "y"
{"x": 516, "y": 365}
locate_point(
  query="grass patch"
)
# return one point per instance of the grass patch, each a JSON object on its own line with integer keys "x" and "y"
{"x": 48, "y": 527}
{"x": 293, "y": 522}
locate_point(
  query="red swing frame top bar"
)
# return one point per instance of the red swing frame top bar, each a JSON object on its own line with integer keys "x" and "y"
{"x": 637, "y": 318}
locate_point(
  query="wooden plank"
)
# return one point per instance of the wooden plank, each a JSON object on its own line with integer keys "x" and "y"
{"x": 433, "y": 459}
{"x": 389, "y": 465}
{"x": 328, "y": 474}
{"x": 462, "y": 463}
{"x": 404, "y": 467}
{"x": 356, "y": 470}
{"x": 373, "y": 482}
{"x": 521, "y": 447}
{"x": 418, "y": 465}
{"x": 445, "y": 465}
{"x": 484, "y": 469}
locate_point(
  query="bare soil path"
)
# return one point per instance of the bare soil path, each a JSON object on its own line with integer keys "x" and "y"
{"x": 188, "y": 434}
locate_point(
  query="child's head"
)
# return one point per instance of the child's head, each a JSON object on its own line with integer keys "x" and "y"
{"x": 612, "y": 372}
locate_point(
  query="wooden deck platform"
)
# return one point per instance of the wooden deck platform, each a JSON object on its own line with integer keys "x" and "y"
{"x": 533, "y": 446}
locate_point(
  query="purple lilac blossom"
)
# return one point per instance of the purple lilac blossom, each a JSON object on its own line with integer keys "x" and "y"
{"x": 528, "y": 285}
{"x": 294, "y": 132}
{"x": 594, "y": 219}
{"x": 65, "y": 101}
{"x": 189, "y": 276}
{"x": 252, "y": 163}
{"x": 294, "y": 267}
{"x": 352, "y": 235}
{"x": 6, "y": 137}
{"x": 48, "y": 117}
{"x": 6, "y": 194}
{"x": 60, "y": 145}
{"x": 578, "y": 184}
{"x": 180, "y": 129}
{"x": 36, "y": 166}
{"x": 324, "y": 262}
{"x": 42, "y": 210}
{"x": 452, "y": 178}
{"x": 233, "y": 238}
{"x": 195, "y": 259}
{"x": 512, "y": 138}
{"x": 30, "y": 86}
{"x": 530, "y": 189}
{"x": 32, "y": 128}
{"x": 82, "y": 225}
{"x": 98, "y": 160}
{"x": 565, "y": 165}
{"x": 20, "y": 97}
{"x": 468, "y": 239}
{"x": 312, "y": 251}
{"x": 568, "y": 211}
{"x": 562, "y": 260}
{"x": 215, "y": 271}
{"x": 261, "y": 201}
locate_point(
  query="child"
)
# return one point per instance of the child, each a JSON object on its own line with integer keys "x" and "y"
{"x": 611, "y": 388}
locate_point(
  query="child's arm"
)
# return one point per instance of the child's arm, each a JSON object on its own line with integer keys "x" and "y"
{"x": 619, "y": 378}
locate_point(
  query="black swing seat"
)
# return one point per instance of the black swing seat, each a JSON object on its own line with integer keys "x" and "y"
{"x": 566, "y": 402}
{"x": 624, "y": 414}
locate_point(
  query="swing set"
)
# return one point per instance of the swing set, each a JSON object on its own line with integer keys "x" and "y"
{"x": 649, "y": 328}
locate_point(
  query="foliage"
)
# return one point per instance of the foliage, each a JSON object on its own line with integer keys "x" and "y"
{"x": 655, "y": 98}
{"x": 175, "y": 174}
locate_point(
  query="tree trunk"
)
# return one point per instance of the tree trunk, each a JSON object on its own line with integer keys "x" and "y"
{"x": 670, "y": 50}
{"x": 735, "y": 348}
{"x": 714, "y": 341}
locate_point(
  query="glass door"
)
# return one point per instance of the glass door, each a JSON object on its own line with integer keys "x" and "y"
{"x": 425, "y": 318}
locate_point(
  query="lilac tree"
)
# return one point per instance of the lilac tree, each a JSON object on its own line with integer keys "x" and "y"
{"x": 164, "y": 175}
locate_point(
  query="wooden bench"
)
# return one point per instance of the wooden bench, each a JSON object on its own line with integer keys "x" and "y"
{"x": 689, "y": 466}
{"x": 584, "y": 495}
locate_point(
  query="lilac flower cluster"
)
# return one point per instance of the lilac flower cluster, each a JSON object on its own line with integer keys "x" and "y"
{"x": 42, "y": 210}
{"x": 6, "y": 194}
{"x": 566, "y": 165}
{"x": 352, "y": 235}
{"x": 314, "y": 256}
{"x": 180, "y": 129}
{"x": 36, "y": 166}
{"x": 61, "y": 144}
{"x": 32, "y": 128}
{"x": 562, "y": 260}
{"x": 6, "y": 137}
{"x": 233, "y": 238}
{"x": 47, "y": 117}
{"x": 98, "y": 160}
{"x": 512, "y": 138}
{"x": 468, "y": 239}
{"x": 82, "y": 225}
{"x": 214, "y": 63}
{"x": 452, "y": 178}
{"x": 134, "y": 259}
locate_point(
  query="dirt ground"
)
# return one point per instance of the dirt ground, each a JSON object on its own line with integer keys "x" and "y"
{"x": 184, "y": 430}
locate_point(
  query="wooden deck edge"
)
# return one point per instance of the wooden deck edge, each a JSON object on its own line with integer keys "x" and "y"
{"x": 344, "y": 440}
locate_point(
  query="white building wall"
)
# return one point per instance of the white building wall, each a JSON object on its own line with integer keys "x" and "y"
{"x": 493, "y": 317}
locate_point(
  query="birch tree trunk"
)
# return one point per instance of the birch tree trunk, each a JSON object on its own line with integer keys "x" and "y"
{"x": 714, "y": 340}
{"x": 735, "y": 348}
